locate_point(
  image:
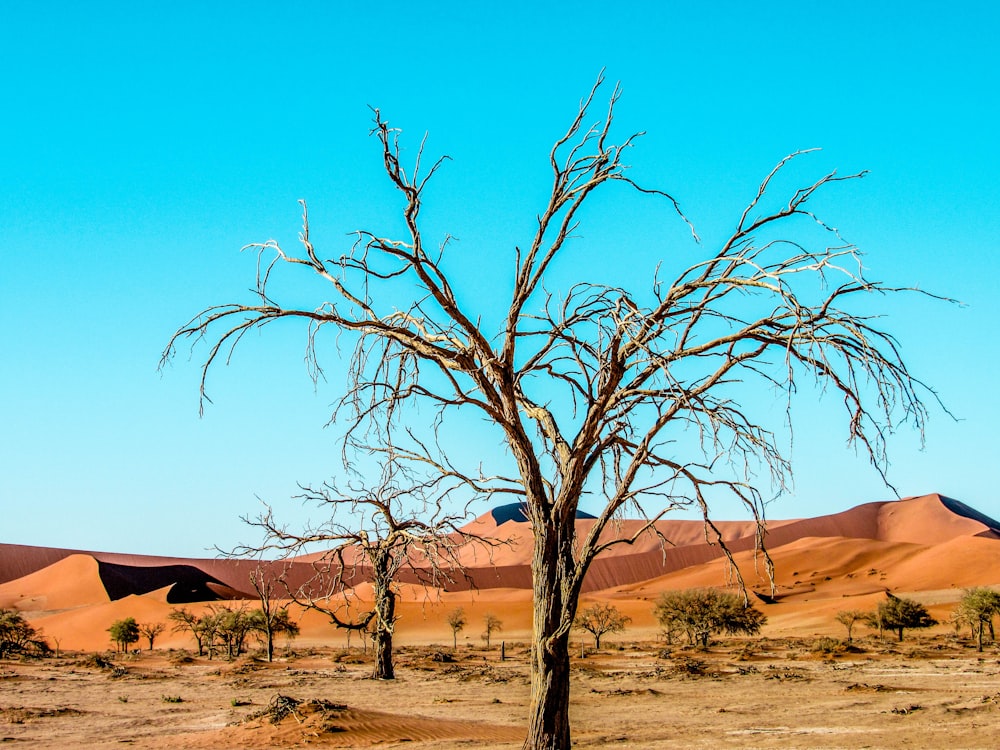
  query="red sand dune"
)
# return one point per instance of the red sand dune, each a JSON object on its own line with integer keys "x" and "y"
{"x": 925, "y": 544}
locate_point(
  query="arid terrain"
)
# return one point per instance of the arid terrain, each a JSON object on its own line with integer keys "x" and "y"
{"x": 759, "y": 693}
{"x": 794, "y": 686}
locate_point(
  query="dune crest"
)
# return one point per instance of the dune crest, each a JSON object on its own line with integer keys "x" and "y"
{"x": 926, "y": 543}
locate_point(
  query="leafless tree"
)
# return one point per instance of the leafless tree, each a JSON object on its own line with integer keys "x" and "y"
{"x": 371, "y": 532}
{"x": 149, "y": 631}
{"x": 184, "y": 619}
{"x": 599, "y": 619}
{"x": 491, "y": 623}
{"x": 647, "y": 399}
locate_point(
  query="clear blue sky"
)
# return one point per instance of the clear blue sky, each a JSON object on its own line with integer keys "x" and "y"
{"x": 143, "y": 146}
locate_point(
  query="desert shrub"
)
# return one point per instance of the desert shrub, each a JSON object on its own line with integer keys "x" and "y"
{"x": 699, "y": 613}
{"x": 689, "y": 666}
{"x": 827, "y": 646}
{"x": 17, "y": 636}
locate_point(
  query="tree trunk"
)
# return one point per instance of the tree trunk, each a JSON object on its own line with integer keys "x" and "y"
{"x": 597, "y": 641}
{"x": 383, "y": 655}
{"x": 555, "y": 601}
{"x": 385, "y": 618}
{"x": 900, "y": 635}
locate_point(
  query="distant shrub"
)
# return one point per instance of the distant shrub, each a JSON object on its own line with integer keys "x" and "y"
{"x": 827, "y": 646}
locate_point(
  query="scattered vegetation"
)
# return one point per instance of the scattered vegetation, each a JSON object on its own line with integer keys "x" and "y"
{"x": 225, "y": 629}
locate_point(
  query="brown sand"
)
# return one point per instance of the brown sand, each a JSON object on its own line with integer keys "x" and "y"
{"x": 772, "y": 693}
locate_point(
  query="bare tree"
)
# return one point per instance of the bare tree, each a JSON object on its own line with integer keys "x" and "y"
{"x": 492, "y": 623}
{"x": 184, "y": 619}
{"x": 600, "y": 619}
{"x": 456, "y": 621}
{"x": 370, "y": 534}
{"x": 643, "y": 398}
{"x": 149, "y": 631}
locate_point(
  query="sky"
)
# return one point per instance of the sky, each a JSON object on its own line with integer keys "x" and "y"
{"x": 142, "y": 147}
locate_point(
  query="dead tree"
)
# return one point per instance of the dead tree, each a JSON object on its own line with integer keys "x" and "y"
{"x": 645, "y": 398}
{"x": 370, "y": 533}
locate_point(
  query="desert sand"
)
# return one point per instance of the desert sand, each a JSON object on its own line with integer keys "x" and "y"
{"x": 775, "y": 691}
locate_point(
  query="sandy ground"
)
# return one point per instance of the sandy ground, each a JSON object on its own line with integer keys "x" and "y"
{"x": 929, "y": 692}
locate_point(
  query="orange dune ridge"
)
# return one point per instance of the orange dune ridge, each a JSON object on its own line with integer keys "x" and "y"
{"x": 929, "y": 546}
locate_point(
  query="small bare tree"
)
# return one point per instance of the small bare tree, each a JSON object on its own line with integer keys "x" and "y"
{"x": 185, "y": 619}
{"x": 600, "y": 619}
{"x": 149, "y": 631}
{"x": 646, "y": 398}
{"x": 370, "y": 534}
{"x": 456, "y": 621}
{"x": 492, "y": 623}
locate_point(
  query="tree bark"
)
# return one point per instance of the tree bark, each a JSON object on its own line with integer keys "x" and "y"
{"x": 385, "y": 617}
{"x": 554, "y": 608}
{"x": 383, "y": 655}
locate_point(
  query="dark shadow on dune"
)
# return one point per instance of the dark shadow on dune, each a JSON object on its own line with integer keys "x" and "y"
{"x": 515, "y": 512}
{"x": 959, "y": 508}
{"x": 187, "y": 583}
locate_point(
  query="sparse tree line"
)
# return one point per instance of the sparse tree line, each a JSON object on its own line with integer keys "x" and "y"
{"x": 225, "y": 630}
{"x": 976, "y": 609}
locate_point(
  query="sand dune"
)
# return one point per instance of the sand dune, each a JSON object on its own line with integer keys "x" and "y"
{"x": 71, "y": 581}
{"x": 822, "y": 564}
